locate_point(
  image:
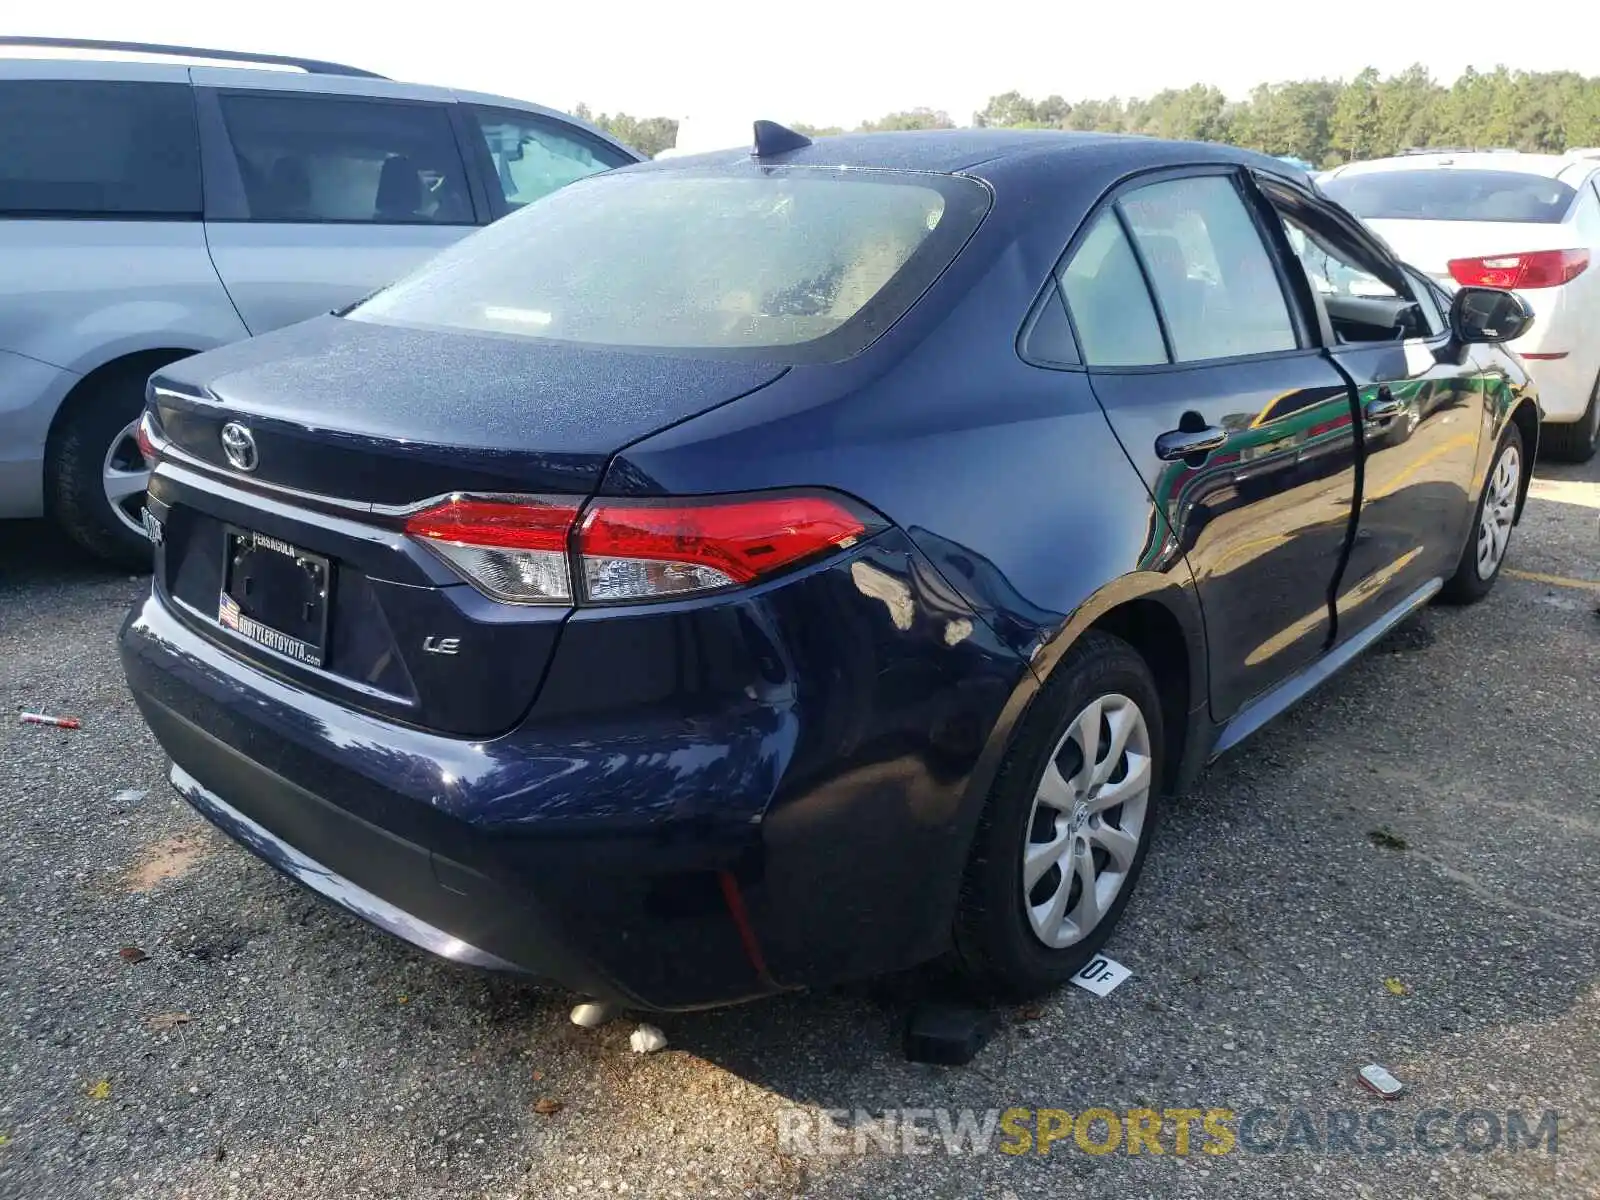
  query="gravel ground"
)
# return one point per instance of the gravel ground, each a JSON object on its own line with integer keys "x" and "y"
{"x": 321, "y": 1060}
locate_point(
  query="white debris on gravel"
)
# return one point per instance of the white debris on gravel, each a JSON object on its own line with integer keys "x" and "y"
{"x": 647, "y": 1039}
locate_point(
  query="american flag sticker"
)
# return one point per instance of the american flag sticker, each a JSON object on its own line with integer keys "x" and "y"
{"x": 228, "y": 612}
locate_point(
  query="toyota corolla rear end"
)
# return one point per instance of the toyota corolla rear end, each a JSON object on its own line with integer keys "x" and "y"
{"x": 418, "y": 640}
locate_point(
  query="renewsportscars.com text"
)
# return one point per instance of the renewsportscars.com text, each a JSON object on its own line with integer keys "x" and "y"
{"x": 1168, "y": 1131}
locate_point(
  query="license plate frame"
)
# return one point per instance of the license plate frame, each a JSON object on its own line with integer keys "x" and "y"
{"x": 307, "y": 644}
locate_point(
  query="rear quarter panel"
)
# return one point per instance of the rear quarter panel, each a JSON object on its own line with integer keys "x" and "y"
{"x": 1004, "y": 475}
{"x": 77, "y": 294}
{"x": 30, "y": 392}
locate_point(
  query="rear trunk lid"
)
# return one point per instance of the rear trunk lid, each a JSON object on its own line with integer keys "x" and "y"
{"x": 380, "y": 414}
{"x": 293, "y": 557}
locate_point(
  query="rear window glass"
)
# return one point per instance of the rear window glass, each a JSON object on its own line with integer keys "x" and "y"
{"x": 798, "y": 264}
{"x": 1106, "y": 293}
{"x": 85, "y": 148}
{"x": 311, "y": 159}
{"x": 1446, "y": 194}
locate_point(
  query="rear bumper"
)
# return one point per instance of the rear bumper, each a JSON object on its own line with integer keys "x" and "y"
{"x": 1560, "y": 326}
{"x": 1564, "y": 386}
{"x": 666, "y": 849}
{"x": 346, "y": 893}
{"x": 387, "y": 874}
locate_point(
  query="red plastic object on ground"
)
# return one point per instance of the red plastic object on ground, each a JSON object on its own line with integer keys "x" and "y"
{"x": 59, "y": 722}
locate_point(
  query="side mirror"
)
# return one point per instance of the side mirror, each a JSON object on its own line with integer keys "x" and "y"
{"x": 1480, "y": 315}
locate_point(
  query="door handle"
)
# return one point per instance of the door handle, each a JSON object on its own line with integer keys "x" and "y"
{"x": 1178, "y": 444}
{"x": 1384, "y": 406}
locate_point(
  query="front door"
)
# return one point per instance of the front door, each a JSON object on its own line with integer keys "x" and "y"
{"x": 1241, "y": 428}
{"x": 1422, "y": 405}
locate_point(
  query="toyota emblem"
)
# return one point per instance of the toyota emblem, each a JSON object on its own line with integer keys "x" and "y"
{"x": 239, "y": 444}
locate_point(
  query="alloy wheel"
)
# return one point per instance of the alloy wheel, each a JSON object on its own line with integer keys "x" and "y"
{"x": 126, "y": 476}
{"x": 1499, "y": 510}
{"x": 1087, "y": 821}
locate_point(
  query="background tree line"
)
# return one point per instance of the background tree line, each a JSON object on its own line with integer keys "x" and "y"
{"x": 1321, "y": 121}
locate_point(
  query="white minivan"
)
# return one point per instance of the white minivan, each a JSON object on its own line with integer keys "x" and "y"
{"x": 153, "y": 209}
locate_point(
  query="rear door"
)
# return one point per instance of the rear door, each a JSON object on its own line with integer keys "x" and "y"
{"x": 1239, "y": 425}
{"x": 1423, "y": 408}
{"x": 315, "y": 199}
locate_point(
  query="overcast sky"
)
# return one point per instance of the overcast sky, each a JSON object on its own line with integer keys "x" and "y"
{"x": 839, "y": 62}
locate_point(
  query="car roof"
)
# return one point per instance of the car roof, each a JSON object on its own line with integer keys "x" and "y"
{"x": 94, "y": 53}
{"x": 204, "y": 71}
{"x": 211, "y": 72}
{"x": 989, "y": 153}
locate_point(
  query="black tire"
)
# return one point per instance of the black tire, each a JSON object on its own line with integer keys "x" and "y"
{"x": 1468, "y": 585}
{"x": 75, "y": 491}
{"x": 996, "y": 948}
{"x": 1573, "y": 441}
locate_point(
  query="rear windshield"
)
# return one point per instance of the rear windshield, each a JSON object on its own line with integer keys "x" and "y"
{"x": 798, "y": 264}
{"x": 1446, "y": 194}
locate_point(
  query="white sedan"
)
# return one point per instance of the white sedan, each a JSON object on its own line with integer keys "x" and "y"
{"x": 1529, "y": 222}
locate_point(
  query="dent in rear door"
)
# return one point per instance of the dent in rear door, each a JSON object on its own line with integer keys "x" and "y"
{"x": 1263, "y": 516}
{"x": 314, "y": 200}
{"x": 1263, "y": 520}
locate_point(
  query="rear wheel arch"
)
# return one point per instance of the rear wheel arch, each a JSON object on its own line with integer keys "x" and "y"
{"x": 1161, "y": 620}
{"x": 137, "y": 364}
{"x": 1113, "y": 660}
{"x": 89, "y": 449}
{"x": 1157, "y": 635}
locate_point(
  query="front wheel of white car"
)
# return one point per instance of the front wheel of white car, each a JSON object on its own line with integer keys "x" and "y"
{"x": 1492, "y": 523}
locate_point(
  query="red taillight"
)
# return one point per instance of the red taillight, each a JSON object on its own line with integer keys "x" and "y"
{"x": 1536, "y": 269}
{"x": 520, "y": 523}
{"x": 513, "y": 547}
{"x": 638, "y": 551}
{"x": 517, "y": 548}
{"x": 145, "y": 436}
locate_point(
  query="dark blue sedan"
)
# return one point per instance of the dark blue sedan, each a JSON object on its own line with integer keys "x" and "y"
{"x": 755, "y": 570}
